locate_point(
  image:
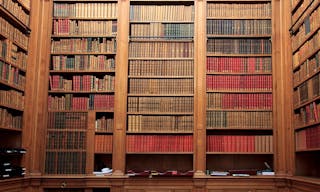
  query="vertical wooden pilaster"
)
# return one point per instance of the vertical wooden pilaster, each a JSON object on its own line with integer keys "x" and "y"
{"x": 282, "y": 94}
{"x": 200, "y": 87}
{"x": 35, "y": 114}
{"x": 90, "y": 142}
{"x": 120, "y": 108}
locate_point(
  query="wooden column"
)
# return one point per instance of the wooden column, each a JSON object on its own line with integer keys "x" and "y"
{"x": 200, "y": 87}
{"x": 282, "y": 82}
{"x": 120, "y": 108}
{"x": 35, "y": 113}
{"x": 90, "y": 142}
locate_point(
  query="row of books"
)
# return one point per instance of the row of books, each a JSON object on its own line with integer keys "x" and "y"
{"x": 17, "y": 10}
{"x": 239, "y": 64}
{"x": 161, "y": 86}
{"x": 161, "y": 68}
{"x": 161, "y": 49}
{"x": 307, "y": 90}
{"x": 308, "y": 68}
{"x": 7, "y": 170}
{"x": 11, "y": 75}
{"x": 80, "y": 45}
{"x": 85, "y": 10}
{"x": 67, "y": 120}
{"x": 308, "y": 138}
{"x": 161, "y": 30}
{"x": 238, "y": 27}
{"x": 10, "y": 120}
{"x": 66, "y": 140}
{"x": 159, "y": 143}
{"x": 160, "y": 104}
{"x": 65, "y": 162}
{"x": 161, "y": 13}
{"x": 310, "y": 24}
{"x": 12, "y": 98}
{"x": 239, "y": 82}
{"x": 239, "y": 101}
{"x": 82, "y": 63}
{"x": 91, "y": 102}
{"x": 236, "y": 10}
{"x": 74, "y": 27}
{"x": 239, "y": 119}
{"x": 104, "y": 124}
{"x": 239, "y": 46}
{"x": 301, "y": 8}
{"x": 310, "y": 46}
{"x": 10, "y": 52}
{"x": 12, "y": 33}
{"x": 160, "y": 124}
{"x": 240, "y": 143}
{"x": 103, "y": 143}
{"x": 307, "y": 114}
{"x": 81, "y": 83}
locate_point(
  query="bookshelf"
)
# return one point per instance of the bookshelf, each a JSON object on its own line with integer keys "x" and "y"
{"x": 160, "y": 87}
{"x": 239, "y": 85}
{"x": 81, "y": 87}
{"x": 305, "y": 71}
{"x": 14, "y": 41}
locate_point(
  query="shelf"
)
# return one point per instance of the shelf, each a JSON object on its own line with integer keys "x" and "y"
{"x": 164, "y": 39}
{"x": 85, "y": 53}
{"x": 306, "y": 126}
{"x": 306, "y": 103}
{"x": 11, "y": 85}
{"x": 79, "y": 92}
{"x": 103, "y": 153}
{"x": 309, "y": 9}
{"x": 76, "y": 111}
{"x": 159, "y": 95}
{"x": 160, "y": 153}
{"x": 65, "y": 150}
{"x": 240, "y": 18}
{"x": 159, "y": 77}
{"x": 239, "y": 91}
{"x": 296, "y": 6}
{"x": 239, "y": 73}
{"x": 82, "y": 36}
{"x": 305, "y": 39}
{"x": 25, "y": 7}
{"x": 250, "y": 1}
{"x": 11, "y": 107}
{"x": 159, "y": 132}
{"x": 239, "y": 129}
{"x": 86, "y": 1}
{"x": 87, "y": 18}
{"x": 82, "y": 71}
{"x": 14, "y": 65}
{"x": 183, "y": 22}
{"x": 306, "y": 78}
{"x": 160, "y": 113}
{"x": 307, "y": 57}
{"x": 14, "y": 20}
{"x": 239, "y": 153}
{"x": 239, "y": 110}
{"x": 4, "y": 128}
{"x": 155, "y": 59}
{"x": 306, "y": 150}
{"x": 15, "y": 42}
{"x": 240, "y": 36}
{"x": 237, "y": 55}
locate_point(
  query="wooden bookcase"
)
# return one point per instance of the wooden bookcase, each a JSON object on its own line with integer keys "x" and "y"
{"x": 239, "y": 85}
{"x": 194, "y": 68}
{"x": 14, "y": 41}
{"x": 160, "y": 87}
{"x": 81, "y": 86}
{"x": 306, "y": 86}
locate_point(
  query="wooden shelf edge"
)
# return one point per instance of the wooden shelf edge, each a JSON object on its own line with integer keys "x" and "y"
{"x": 306, "y": 58}
{"x": 14, "y": 19}
{"x": 306, "y": 102}
{"x": 305, "y": 39}
{"x": 14, "y": 65}
{"x": 11, "y": 107}
{"x": 294, "y": 7}
{"x": 308, "y": 150}
{"x": 10, "y": 129}
{"x": 306, "y": 126}
{"x": 305, "y": 179}
{"x": 309, "y": 76}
